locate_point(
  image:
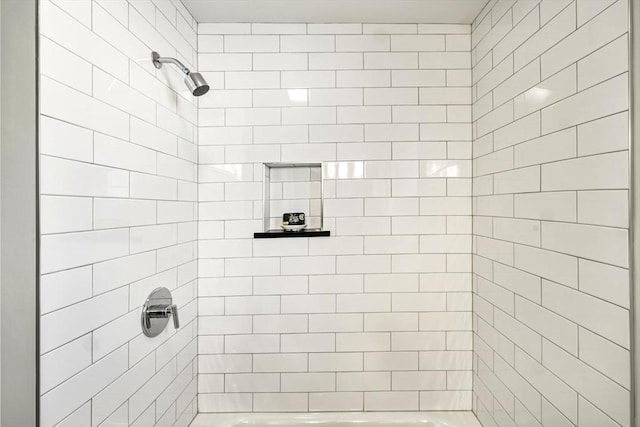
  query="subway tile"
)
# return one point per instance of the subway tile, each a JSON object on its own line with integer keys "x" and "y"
{"x": 308, "y": 304}
{"x": 445, "y": 60}
{"x": 391, "y": 361}
{"x": 445, "y": 321}
{"x": 279, "y": 61}
{"x": 405, "y": 43}
{"x": 261, "y": 382}
{"x": 391, "y": 401}
{"x": 592, "y": 274}
{"x": 253, "y": 43}
{"x": 362, "y": 43}
{"x": 336, "y": 323}
{"x": 307, "y": 79}
{"x": 335, "y": 362}
{"x": 603, "y": 135}
{"x": 224, "y": 363}
{"x": 251, "y": 343}
{"x": 554, "y": 206}
{"x": 252, "y": 80}
{"x": 605, "y": 171}
{"x": 308, "y": 343}
{"x": 61, "y": 139}
{"x": 445, "y": 96}
{"x": 307, "y": 43}
{"x": 65, "y": 214}
{"x": 390, "y": 61}
{"x": 280, "y": 402}
{"x": 444, "y": 400}
{"x": 65, "y": 288}
{"x": 336, "y": 401}
{"x": 363, "y": 381}
{"x": 308, "y": 382}
{"x": 335, "y": 97}
{"x": 357, "y": 303}
{"x": 280, "y": 362}
{"x": 417, "y": 78}
{"x": 422, "y": 187}
{"x": 417, "y": 341}
{"x": 368, "y": 114}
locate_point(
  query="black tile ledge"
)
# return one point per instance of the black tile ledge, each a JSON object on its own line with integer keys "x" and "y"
{"x": 275, "y": 234}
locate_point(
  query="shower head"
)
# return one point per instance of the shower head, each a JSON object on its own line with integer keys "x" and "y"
{"x": 195, "y": 82}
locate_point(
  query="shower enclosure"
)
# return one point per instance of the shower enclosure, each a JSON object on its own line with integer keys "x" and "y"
{"x": 465, "y": 169}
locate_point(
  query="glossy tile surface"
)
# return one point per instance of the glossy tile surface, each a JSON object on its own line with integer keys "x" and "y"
{"x": 389, "y": 115}
{"x": 118, "y": 212}
{"x": 551, "y": 180}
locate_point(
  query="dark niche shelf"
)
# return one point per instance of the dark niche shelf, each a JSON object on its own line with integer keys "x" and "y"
{"x": 276, "y": 234}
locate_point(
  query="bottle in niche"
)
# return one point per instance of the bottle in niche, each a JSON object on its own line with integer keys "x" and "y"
{"x": 294, "y": 221}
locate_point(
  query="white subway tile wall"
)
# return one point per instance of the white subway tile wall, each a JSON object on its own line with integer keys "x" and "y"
{"x": 376, "y": 317}
{"x": 550, "y": 190}
{"x": 118, "y": 212}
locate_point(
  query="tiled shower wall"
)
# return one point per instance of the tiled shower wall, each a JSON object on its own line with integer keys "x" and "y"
{"x": 377, "y": 316}
{"x": 118, "y": 210}
{"x": 551, "y": 290}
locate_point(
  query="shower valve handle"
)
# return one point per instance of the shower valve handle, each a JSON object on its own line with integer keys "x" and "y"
{"x": 163, "y": 312}
{"x": 174, "y": 314}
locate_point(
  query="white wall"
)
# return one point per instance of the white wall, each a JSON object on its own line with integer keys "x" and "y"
{"x": 551, "y": 180}
{"x": 118, "y": 212}
{"x": 377, "y": 316}
{"x": 18, "y": 228}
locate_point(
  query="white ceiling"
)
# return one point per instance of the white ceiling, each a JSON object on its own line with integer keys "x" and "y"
{"x": 336, "y": 11}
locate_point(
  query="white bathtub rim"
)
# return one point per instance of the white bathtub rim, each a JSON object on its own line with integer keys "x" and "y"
{"x": 338, "y": 419}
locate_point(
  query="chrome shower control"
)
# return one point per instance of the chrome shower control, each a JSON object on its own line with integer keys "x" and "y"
{"x": 156, "y": 312}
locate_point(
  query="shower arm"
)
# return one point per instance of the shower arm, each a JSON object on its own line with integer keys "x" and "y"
{"x": 159, "y": 60}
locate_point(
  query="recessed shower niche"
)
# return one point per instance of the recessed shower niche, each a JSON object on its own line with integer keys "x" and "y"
{"x": 292, "y": 188}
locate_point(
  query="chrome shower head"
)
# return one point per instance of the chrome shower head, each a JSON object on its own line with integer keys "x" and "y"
{"x": 197, "y": 85}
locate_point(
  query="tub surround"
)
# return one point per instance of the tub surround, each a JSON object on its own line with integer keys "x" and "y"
{"x": 551, "y": 182}
{"x": 475, "y": 188}
{"x": 376, "y": 317}
{"x": 118, "y": 198}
